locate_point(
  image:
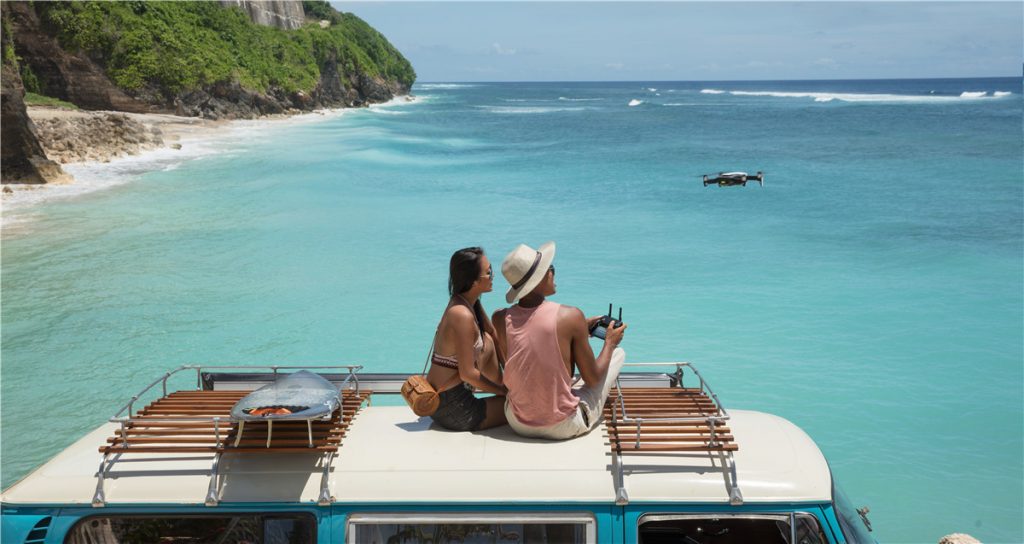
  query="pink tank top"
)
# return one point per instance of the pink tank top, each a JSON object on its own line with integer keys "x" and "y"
{"x": 538, "y": 384}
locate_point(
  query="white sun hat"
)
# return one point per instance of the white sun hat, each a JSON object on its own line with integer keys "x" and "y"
{"x": 524, "y": 267}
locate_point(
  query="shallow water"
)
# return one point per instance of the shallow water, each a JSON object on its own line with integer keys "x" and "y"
{"x": 871, "y": 291}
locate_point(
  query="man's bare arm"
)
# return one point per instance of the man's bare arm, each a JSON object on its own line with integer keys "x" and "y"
{"x": 592, "y": 369}
{"x": 500, "y": 344}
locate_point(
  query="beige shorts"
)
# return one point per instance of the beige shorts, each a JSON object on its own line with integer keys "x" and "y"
{"x": 588, "y": 412}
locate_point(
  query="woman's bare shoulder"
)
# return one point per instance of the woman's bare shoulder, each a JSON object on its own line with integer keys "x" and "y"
{"x": 459, "y": 314}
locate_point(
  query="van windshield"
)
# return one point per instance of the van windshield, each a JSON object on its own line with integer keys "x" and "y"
{"x": 853, "y": 526}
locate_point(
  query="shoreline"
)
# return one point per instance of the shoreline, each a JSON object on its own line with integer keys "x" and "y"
{"x": 151, "y": 142}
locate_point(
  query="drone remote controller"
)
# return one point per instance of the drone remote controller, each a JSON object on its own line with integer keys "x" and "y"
{"x": 600, "y": 328}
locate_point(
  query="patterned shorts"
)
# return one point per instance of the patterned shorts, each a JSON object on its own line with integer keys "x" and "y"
{"x": 460, "y": 410}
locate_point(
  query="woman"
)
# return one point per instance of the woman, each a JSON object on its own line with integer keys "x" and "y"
{"x": 464, "y": 354}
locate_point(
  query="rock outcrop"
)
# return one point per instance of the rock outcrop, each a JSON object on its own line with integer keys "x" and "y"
{"x": 98, "y": 136}
{"x": 22, "y": 159}
{"x": 283, "y": 14}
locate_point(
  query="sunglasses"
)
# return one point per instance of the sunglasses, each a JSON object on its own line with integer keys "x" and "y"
{"x": 552, "y": 269}
{"x": 489, "y": 273}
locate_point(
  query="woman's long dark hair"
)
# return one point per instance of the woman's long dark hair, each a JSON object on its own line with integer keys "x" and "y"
{"x": 463, "y": 271}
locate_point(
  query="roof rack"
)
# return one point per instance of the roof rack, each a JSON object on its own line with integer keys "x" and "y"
{"x": 660, "y": 420}
{"x": 199, "y": 421}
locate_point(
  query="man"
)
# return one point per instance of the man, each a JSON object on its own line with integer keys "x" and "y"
{"x": 544, "y": 340}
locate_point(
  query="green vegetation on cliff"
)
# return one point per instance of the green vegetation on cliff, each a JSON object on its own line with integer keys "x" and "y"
{"x": 181, "y": 46}
{"x": 33, "y": 99}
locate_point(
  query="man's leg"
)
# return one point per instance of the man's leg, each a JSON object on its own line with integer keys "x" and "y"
{"x": 570, "y": 427}
{"x": 594, "y": 396}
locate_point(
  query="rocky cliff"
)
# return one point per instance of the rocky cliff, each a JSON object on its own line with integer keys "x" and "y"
{"x": 283, "y": 14}
{"x": 71, "y": 76}
{"x": 232, "y": 59}
{"x": 22, "y": 159}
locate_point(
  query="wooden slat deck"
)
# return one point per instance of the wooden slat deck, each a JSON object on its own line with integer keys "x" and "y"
{"x": 172, "y": 424}
{"x": 654, "y": 403}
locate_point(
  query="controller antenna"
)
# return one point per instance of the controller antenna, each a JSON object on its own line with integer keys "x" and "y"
{"x": 609, "y": 309}
{"x": 620, "y": 315}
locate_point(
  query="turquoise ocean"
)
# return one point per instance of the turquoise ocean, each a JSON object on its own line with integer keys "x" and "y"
{"x": 872, "y": 291}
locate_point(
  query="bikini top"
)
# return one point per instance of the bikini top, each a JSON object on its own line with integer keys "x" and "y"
{"x": 450, "y": 361}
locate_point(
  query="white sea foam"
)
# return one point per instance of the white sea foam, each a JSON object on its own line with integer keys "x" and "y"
{"x": 862, "y": 97}
{"x": 95, "y": 176}
{"x": 389, "y": 107}
{"x": 398, "y": 101}
{"x": 711, "y": 91}
{"x": 445, "y": 86}
{"x": 998, "y": 94}
{"x": 635, "y": 102}
{"x": 652, "y": 89}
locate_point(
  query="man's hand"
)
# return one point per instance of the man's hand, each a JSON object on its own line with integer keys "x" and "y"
{"x": 591, "y": 321}
{"x": 614, "y": 334}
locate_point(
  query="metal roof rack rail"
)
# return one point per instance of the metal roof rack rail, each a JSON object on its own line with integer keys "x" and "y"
{"x": 199, "y": 421}
{"x": 669, "y": 419}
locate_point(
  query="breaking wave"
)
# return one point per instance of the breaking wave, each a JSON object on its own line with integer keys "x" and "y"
{"x": 635, "y": 102}
{"x": 445, "y": 86}
{"x": 711, "y": 91}
{"x": 864, "y": 97}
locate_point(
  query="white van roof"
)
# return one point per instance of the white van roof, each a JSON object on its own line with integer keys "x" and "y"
{"x": 391, "y": 456}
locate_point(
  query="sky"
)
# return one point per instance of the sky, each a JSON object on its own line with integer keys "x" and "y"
{"x": 699, "y": 41}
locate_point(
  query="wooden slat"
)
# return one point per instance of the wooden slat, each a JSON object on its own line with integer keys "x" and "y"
{"x": 628, "y": 448}
{"x": 246, "y": 442}
{"x": 175, "y": 423}
{"x": 631, "y": 438}
{"x": 210, "y": 432}
{"x": 665, "y": 424}
{"x": 662, "y": 431}
{"x": 211, "y": 449}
